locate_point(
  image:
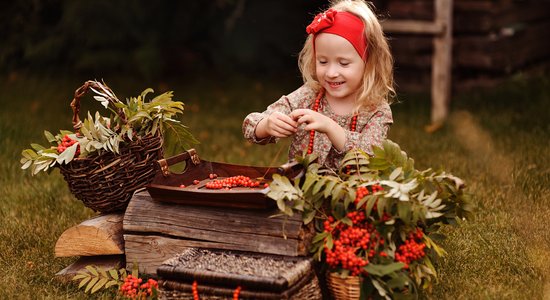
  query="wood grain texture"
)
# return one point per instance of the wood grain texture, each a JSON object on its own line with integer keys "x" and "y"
{"x": 155, "y": 231}
{"x": 101, "y": 235}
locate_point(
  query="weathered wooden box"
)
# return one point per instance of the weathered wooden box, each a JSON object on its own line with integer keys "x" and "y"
{"x": 155, "y": 231}
{"x": 220, "y": 274}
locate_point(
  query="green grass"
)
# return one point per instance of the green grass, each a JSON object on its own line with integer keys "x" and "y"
{"x": 496, "y": 140}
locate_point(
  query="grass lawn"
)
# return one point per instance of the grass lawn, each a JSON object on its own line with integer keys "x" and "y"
{"x": 496, "y": 140}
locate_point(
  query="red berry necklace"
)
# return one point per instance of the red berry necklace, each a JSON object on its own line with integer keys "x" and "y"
{"x": 316, "y": 106}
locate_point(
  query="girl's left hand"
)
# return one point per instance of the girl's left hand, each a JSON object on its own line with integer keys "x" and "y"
{"x": 313, "y": 120}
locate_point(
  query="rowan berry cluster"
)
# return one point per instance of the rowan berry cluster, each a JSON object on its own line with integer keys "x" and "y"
{"x": 134, "y": 287}
{"x": 355, "y": 245}
{"x": 363, "y": 191}
{"x": 231, "y": 182}
{"x": 412, "y": 249}
{"x": 66, "y": 142}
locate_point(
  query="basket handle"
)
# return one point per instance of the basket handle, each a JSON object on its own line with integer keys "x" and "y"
{"x": 190, "y": 154}
{"x": 103, "y": 91}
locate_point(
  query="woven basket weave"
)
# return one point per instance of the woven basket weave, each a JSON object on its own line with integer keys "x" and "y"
{"x": 344, "y": 289}
{"x": 105, "y": 182}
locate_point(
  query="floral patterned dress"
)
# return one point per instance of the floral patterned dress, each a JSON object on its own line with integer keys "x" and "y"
{"x": 372, "y": 127}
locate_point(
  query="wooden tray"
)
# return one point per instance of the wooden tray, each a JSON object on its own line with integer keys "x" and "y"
{"x": 165, "y": 186}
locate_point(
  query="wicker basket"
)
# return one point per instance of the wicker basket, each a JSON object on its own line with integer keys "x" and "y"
{"x": 106, "y": 182}
{"x": 344, "y": 289}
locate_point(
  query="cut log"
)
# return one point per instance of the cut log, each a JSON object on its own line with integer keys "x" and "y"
{"x": 155, "y": 231}
{"x": 101, "y": 235}
{"x": 105, "y": 262}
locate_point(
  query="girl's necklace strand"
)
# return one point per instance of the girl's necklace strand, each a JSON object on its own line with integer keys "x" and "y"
{"x": 316, "y": 105}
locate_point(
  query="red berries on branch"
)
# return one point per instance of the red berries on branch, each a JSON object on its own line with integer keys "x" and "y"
{"x": 354, "y": 245}
{"x": 67, "y": 142}
{"x": 134, "y": 287}
{"x": 412, "y": 250}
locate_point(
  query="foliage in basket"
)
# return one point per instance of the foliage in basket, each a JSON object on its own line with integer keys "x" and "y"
{"x": 128, "y": 121}
{"x": 376, "y": 217}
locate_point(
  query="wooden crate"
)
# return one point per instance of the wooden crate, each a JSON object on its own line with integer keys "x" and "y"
{"x": 155, "y": 231}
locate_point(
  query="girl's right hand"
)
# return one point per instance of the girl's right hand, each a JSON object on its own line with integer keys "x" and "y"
{"x": 277, "y": 125}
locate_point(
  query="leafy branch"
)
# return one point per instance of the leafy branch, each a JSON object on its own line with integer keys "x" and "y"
{"x": 93, "y": 278}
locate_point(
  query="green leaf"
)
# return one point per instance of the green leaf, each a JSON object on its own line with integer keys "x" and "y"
{"x": 37, "y": 147}
{"x": 49, "y": 136}
{"x": 99, "y": 285}
{"x": 308, "y": 216}
{"x": 111, "y": 283}
{"x": 91, "y": 284}
{"x": 114, "y": 274}
{"x": 404, "y": 211}
{"x": 92, "y": 270}
{"x": 84, "y": 281}
{"x": 329, "y": 243}
{"x": 29, "y": 154}
{"x": 371, "y": 200}
{"x": 328, "y": 188}
{"x": 347, "y": 221}
{"x": 79, "y": 276}
{"x": 393, "y": 176}
{"x": 135, "y": 270}
{"x": 339, "y": 211}
{"x": 319, "y": 185}
{"x": 319, "y": 237}
{"x": 382, "y": 270}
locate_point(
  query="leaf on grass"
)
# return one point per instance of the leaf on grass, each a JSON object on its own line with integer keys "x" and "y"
{"x": 80, "y": 276}
{"x": 99, "y": 285}
{"x": 114, "y": 274}
{"x": 84, "y": 281}
{"x": 92, "y": 270}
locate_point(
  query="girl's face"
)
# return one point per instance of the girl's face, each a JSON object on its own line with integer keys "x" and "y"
{"x": 338, "y": 67}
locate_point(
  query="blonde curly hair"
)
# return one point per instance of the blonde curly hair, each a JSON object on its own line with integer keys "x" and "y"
{"x": 378, "y": 82}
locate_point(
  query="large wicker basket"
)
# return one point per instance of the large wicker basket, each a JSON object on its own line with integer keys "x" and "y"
{"x": 348, "y": 288}
{"x": 105, "y": 182}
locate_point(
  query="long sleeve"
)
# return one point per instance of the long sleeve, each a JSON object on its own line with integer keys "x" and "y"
{"x": 286, "y": 104}
{"x": 374, "y": 132}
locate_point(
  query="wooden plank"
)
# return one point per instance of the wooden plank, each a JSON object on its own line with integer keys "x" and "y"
{"x": 149, "y": 251}
{"x": 441, "y": 66}
{"x": 413, "y": 27}
{"x": 504, "y": 53}
{"x": 407, "y": 9}
{"x": 146, "y": 215}
{"x": 101, "y": 235}
{"x": 105, "y": 262}
{"x": 155, "y": 231}
{"x": 501, "y": 17}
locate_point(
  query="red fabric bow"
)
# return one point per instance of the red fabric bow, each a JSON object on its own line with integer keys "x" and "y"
{"x": 321, "y": 21}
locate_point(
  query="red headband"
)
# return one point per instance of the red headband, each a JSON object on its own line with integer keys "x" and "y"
{"x": 344, "y": 24}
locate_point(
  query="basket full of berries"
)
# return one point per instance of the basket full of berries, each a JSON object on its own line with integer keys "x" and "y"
{"x": 377, "y": 220}
{"x": 106, "y": 158}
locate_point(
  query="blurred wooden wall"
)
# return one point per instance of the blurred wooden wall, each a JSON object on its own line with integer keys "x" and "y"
{"x": 492, "y": 40}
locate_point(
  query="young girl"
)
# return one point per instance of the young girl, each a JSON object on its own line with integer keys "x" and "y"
{"x": 347, "y": 70}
